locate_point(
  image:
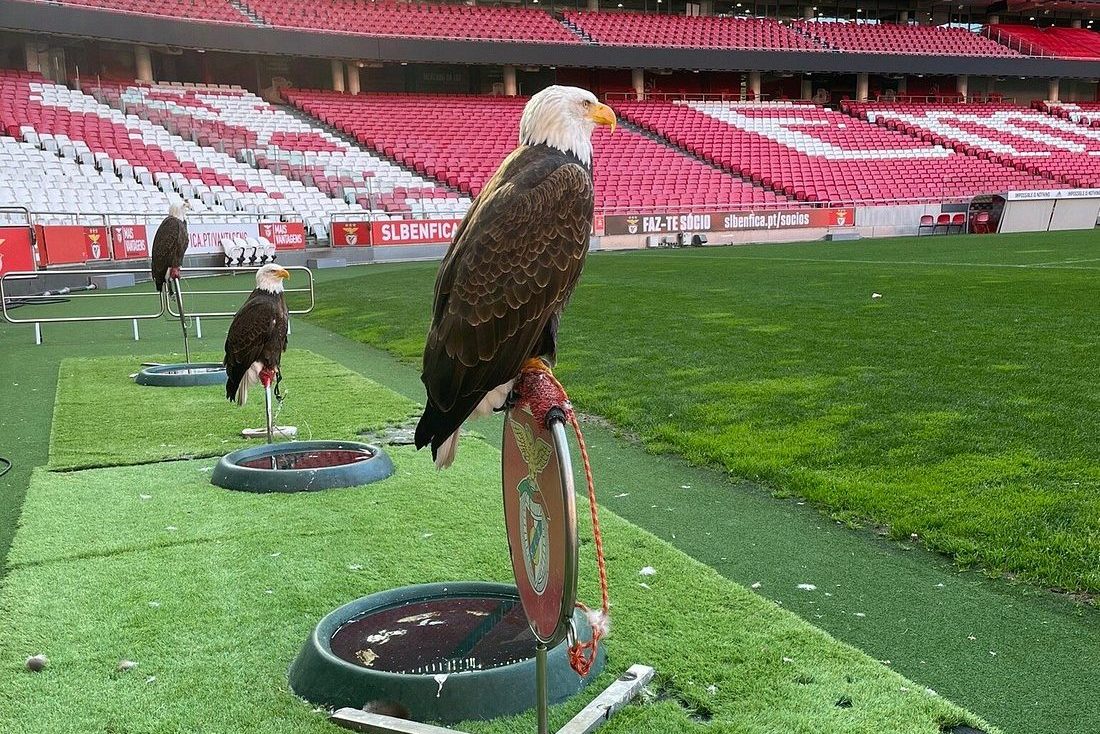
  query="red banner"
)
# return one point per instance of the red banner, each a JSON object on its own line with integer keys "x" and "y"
{"x": 413, "y": 231}
{"x": 728, "y": 221}
{"x": 129, "y": 241}
{"x": 351, "y": 234}
{"x": 285, "y": 235}
{"x": 68, "y": 244}
{"x": 16, "y": 251}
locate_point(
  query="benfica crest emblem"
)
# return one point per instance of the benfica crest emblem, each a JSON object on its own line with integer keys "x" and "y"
{"x": 534, "y": 521}
{"x": 351, "y": 234}
{"x": 93, "y": 238}
{"x": 540, "y": 515}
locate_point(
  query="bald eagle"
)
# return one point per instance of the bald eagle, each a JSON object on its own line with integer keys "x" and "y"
{"x": 511, "y": 267}
{"x": 169, "y": 245}
{"x": 257, "y": 336}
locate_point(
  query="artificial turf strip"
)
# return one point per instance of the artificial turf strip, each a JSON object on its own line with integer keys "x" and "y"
{"x": 240, "y": 582}
{"x": 959, "y": 407}
{"x": 103, "y": 418}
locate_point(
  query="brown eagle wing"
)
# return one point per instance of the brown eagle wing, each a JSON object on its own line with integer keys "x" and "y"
{"x": 258, "y": 333}
{"x": 169, "y": 245}
{"x": 511, "y": 269}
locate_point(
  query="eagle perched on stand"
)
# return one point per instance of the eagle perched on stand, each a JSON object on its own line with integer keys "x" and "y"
{"x": 511, "y": 267}
{"x": 257, "y": 336}
{"x": 169, "y": 245}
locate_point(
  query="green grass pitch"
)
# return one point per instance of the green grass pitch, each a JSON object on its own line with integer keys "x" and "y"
{"x": 211, "y": 593}
{"x": 960, "y": 406}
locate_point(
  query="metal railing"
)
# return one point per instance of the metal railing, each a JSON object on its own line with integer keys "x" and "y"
{"x": 192, "y": 295}
{"x": 8, "y": 303}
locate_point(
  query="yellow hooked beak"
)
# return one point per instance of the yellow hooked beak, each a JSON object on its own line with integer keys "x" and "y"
{"x": 601, "y": 114}
{"x": 282, "y": 274}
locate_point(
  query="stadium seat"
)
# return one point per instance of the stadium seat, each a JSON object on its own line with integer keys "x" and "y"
{"x": 889, "y": 38}
{"x": 927, "y": 225}
{"x": 460, "y": 140}
{"x": 649, "y": 29}
{"x": 820, "y": 155}
{"x": 1065, "y": 152}
{"x": 943, "y": 224}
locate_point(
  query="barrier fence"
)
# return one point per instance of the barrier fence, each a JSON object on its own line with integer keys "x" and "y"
{"x": 204, "y": 299}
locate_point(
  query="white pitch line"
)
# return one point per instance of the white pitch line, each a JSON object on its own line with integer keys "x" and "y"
{"x": 921, "y": 263}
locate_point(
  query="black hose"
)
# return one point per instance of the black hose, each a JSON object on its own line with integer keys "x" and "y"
{"x": 6, "y": 464}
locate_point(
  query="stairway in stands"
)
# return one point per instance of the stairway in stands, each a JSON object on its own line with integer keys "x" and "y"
{"x": 252, "y": 15}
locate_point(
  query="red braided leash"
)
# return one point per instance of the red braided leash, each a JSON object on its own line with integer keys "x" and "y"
{"x": 543, "y": 393}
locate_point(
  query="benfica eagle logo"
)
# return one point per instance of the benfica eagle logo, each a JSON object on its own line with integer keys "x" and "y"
{"x": 632, "y": 225}
{"x": 351, "y": 234}
{"x": 534, "y": 521}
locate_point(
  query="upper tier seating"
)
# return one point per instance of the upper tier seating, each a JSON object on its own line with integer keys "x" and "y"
{"x": 77, "y": 127}
{"x": 462, "y": 140}
{"x": 218, "y": 11}
{"x": 888, "y": 38}
{"x": 646, "y": 29}
{"x": 1025, "y": 139}
{"x": 815, "y": 154}
{"x": 1075, "y": 43}
{"x": 257, "y": 132}
{"x": 413, "y": 20}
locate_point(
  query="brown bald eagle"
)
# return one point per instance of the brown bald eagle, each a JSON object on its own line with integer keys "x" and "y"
{"x": 257, "y": 336}
{"x": 512, "y": 266}
{"x": 170, "y": 245}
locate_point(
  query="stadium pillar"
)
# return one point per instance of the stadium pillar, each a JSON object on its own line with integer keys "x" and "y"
{"x": 510, "y": 81}
{"x": 338, "y": 75}
{"x": 754, "y": 84}
{"x": 861, "y": 86}
{"x": 637, "y": 80}
{"x": 993, "y": 20}
{"x": 962, "y": 83}
{"x": 143, "y": 64}
{"x": 1053, "y": 89}
{"x": 1075, "y": 23}
{"x": 353, "y": 78}
{"x": 593, "y": 4}
{"x": 807, "y": 88}
{"x": 903, "y": 17}
{"x": 30, "y": 53}
{"x": 706, "y": 7}
{"x": 808, "y": 13}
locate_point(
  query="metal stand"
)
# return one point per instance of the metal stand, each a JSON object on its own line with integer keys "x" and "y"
{"x": 183, "y": 319}
{"x": 542, "y": 702}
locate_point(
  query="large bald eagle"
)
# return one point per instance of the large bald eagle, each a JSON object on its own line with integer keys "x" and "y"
{"x": 511, "y": 267}
{"x": 170, "y": 245}
{"x": 257, "y": 336}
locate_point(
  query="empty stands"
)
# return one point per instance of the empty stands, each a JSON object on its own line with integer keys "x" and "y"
{"x": 814, "y": 154}
{"x": 77, "y": 127}
{"x": 1017, "y": 137}
{"x": 888, "y": 38}
{"x": 461, "y": 140}
{"x": 259, "y": 133}
{"x": 412, "y": 20}
{"x": 218, "y": 11}
{"x": 647, "y": 29}
{"x": 1076, "y": 43}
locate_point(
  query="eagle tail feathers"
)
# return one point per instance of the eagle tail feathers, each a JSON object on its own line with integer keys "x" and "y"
{"x": 445, "y": 454}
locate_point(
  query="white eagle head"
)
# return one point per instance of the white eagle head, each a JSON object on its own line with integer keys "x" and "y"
{"x": 180, "y": 209}
{"x": 564, "y": 118}
{"x": 270, "y": 278}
